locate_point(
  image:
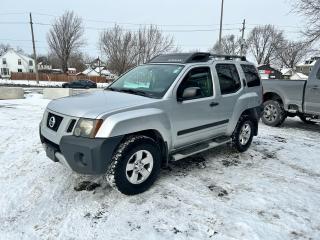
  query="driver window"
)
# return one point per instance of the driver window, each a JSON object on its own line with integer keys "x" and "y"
{"x": 200, "y": 78}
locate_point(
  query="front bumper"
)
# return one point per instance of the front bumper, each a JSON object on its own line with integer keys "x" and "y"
{"x": 83, "y": 155}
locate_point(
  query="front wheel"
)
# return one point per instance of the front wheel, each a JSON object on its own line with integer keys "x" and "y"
{"x": 135, "y": 165}
{"x": 243, "y": 134}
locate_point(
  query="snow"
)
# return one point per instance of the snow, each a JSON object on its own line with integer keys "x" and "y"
{"x": 270, "y": 192}
{"x": 41, "y": 83}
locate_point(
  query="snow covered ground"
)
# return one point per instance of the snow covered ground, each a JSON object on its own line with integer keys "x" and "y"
{"x": 270, "y": 192}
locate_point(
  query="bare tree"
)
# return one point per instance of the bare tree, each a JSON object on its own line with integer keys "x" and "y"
{"x": 66, "y": 37}
{"x": 125, "y": 49}
{"x": 290, "y": 53}
{"x": 229, "y": 45}
{"x": 4, "y": 48}
{"x": 152, "y": 42}
{"x": 263, "y": 42}
{"x": 310, "y": 9}
{"x": 120, "y": 48}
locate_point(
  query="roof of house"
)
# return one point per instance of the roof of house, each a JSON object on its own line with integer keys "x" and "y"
{"x": 299, "y": 76}
{"x": 96, "y": 71}
{"x": 287, "y": 71}
{"x": 23, "y": 57}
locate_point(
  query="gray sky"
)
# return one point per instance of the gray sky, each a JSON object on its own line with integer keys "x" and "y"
{"x": 102, "y": 14}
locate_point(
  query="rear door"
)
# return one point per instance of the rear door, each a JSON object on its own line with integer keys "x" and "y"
{"x": 228, "y": 78}
{"x": 312, "y": 95}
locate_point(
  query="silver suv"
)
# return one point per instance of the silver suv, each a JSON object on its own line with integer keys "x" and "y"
{"x": 174, "y": 106}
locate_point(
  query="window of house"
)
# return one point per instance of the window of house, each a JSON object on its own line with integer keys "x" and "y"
{"x": 19, "y": 70}
{"x": 30, "y": 63}
{"x": 198, "y": 77}
{"x": 228, "y": 78}
{"x": 4, "y": 71}
{"x": 4, "y": 61}
{"x": 31, "y": 70}
{"x": 19, "y": 61}
{"x": 252, "y": 75}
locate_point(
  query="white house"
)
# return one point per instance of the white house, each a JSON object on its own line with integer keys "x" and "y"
{"x": 306, "y": 67}
{"x": 12, "y": 61}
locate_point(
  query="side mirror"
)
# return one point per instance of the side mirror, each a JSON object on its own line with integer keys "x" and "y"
{"x": 189, "y": 93}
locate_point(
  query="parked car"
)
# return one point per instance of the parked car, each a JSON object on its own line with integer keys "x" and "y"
{"x": 288, "y": 98}
{"x": 173, "y": 107}
{"x": 80, "y": 84}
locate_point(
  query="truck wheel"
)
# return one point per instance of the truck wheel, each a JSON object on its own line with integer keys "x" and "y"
{"x": 273, "y": 113}
{"x": 243, "y": 134}
{"x": 305, "y": 120}
{"x": 135, "y": 165}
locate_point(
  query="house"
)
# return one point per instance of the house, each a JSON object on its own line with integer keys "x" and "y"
{"x": 306, "y": 67}
{"x": 287, "y": 72}
{"x": 268, "y": 72}
{"x": 12, "y": 61}
{"x": 97, "y": 68}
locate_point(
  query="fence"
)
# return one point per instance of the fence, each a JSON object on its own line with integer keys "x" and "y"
{"x": 57, "y": 77}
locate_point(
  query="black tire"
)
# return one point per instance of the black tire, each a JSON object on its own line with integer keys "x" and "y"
{"x": 273, "y": 113}
{"x": 117, "y": 174}
{"x": 305, "y": 120}
{"x": 240, "y": 145}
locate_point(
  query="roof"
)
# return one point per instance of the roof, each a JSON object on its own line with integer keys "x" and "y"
{"x": 23, "y": 57}
{"x": 299, "y": 76}
{"x": 96, "y": 71}
{"x": 286, "y": 71}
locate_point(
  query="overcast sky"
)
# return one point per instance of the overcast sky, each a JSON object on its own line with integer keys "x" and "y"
{"x": 197, "y": 14}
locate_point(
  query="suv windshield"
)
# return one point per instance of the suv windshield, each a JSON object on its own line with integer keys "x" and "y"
{"x": 148, "y": 80}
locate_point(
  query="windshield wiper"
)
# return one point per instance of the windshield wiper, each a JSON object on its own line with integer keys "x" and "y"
{"x": 111, "y": 89}
{"x": 134, "y": 91}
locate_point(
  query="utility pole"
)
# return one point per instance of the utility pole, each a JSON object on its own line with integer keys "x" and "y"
{"x": 221, "y": 19}
{"x": 34, "y": 50}
{"x": 242, "y": 36}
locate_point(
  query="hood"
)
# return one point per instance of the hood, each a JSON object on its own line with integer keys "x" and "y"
{"x": 93, "y": 104}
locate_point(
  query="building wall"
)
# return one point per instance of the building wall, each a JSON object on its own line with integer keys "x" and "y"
{"x": 12, "y": 63}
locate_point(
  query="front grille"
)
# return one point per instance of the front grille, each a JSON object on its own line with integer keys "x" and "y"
{"x": 53, "y": 121}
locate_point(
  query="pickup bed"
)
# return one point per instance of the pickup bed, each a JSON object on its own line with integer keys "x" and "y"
{"x": 290, "y": 98}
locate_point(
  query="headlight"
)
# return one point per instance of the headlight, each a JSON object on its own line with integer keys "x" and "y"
{"x": 87, "y": 127}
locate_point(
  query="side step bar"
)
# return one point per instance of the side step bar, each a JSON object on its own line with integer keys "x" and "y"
{"x": 200, "y": 147}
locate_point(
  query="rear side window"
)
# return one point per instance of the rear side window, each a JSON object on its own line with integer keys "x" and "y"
{"x": 252, "y": 75}
{"x": 228, "y": 78}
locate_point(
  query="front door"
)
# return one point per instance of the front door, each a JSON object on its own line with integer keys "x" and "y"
{"x": 197, "y": 118}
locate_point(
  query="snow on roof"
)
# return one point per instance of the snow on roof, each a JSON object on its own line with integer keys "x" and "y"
{"x": 286, "y": 71}
{"x": 299, "y": 76}
{"x": 96, "y": 71}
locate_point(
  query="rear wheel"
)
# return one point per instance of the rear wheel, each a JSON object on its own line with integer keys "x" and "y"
{"x": 135, "y": 165}
{"x": 273, "y": 113}
{"x": 243, "y": 134}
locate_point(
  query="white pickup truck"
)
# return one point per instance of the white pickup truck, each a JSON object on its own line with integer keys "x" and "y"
{"x": 290, "y": 98}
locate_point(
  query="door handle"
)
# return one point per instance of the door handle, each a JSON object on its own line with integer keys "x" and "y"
{"x": 315, "y": 87}
{"x": 213, "y": 104}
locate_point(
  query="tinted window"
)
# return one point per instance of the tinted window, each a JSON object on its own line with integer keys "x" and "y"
{"x": 198, "y": 77}
{"x": 251, "y": 74}
{"x": 228, "y": 78}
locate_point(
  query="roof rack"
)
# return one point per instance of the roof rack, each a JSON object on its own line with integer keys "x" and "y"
{"x": 192, "y": 57}
{"x": 228, "y": 57}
